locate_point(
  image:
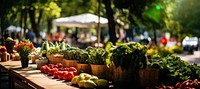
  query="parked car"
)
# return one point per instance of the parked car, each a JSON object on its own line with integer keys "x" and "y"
{"x": 190, "y": 42}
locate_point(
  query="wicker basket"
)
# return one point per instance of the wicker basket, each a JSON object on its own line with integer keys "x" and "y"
{"x": 69, "y": 63}
{"x": 40, "y": 63}
{"x": 9, "y": 46}
{"x": 54, "y": 59}
{"x": 148, "y": 77}
{"x": 34, "y": 57}
{"x": 84, "y": 68}
{"x": 100, "y": 71}
{"x": 124, "y": 78}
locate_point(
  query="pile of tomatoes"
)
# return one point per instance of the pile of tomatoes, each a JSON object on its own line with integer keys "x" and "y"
{"x": 59, "y": 72}
{"x": 187, "y": 84}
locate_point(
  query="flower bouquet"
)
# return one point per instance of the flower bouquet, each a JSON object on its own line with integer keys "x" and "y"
{"x": 24, "y": 48}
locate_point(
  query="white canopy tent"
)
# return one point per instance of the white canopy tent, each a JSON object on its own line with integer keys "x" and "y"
{"x": 86, "y": 20}
{"x": 82, "y": 21}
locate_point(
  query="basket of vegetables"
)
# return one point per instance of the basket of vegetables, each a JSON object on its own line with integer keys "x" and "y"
{"x": 82, "y": 61}
{"x": 41, "y": 61}
{"x": 70, "y": 56}
{"x": 126, "y": 59}
{"x": 97, "y": 62}
{"x": 53, "y": 51}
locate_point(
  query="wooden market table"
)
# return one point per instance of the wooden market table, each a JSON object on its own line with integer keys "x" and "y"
{"x": 31, "y": 77}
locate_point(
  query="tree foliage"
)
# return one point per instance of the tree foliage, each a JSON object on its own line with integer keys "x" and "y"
{"x": 188, "y": 16}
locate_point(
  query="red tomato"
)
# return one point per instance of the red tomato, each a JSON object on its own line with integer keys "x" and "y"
{"x": 70, "y": 76}
{"x": 51, "y": 66}
{"x": 60, "y": 75}
{"x": 72, "y": 69}
{"x": 51, "y": 71}
{"x": 59, "y": 65}
{"x": 65, "y": 69}
{"x": 55, "y": 66}
{"x": 65, "y": 75}
{"x": 75, "y": 73}
{"x": 55, "y": 74}
{"x": 47, "y": 70}
{"x": 43, "y": 68}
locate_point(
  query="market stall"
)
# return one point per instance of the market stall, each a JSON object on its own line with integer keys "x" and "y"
{"x": 82, "y": 21}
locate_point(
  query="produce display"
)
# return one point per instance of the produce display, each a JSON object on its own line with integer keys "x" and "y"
{"x": 53, "y": 48}
{"x": 59, "y": 72}
{"x": 85, "y": 80}
{"x": 173, "y": 69}
{"x": 187, "y": 84}
{"x": 127, "y": 55}
{"x": 97, "y": 55}
{"x": 70, "y": 74}
{"x": 174, "y": 72}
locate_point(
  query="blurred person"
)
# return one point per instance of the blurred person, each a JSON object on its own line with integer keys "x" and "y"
{"x": 146, "y": 34}
{"x": 6, "y": 34}
{"x": 30, "y": 35}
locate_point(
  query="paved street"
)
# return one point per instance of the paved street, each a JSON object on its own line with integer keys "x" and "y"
{"x": 195, "y": 58}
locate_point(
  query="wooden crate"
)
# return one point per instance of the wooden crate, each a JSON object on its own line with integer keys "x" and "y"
{"x": 148, "y": 77}
{"x": 69, "y": 63}
{"x": 54, "y": 59}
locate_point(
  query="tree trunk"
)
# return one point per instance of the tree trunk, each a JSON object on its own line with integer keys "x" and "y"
{"x": 2, "y": 29}
{"x": 21, "y": 20}
{"x": 25, "y": 19}
{"x": 33, "y": 22}
{"x": 111, "y": 22}
{"x": 155, "y": 35}
{"x": 49, "y": 25}
{"x": 39, "y": 18}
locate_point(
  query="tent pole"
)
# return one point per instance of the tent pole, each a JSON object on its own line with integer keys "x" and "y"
{"x": 99, "y": 31}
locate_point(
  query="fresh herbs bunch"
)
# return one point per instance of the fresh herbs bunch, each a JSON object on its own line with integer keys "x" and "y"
{"x": 97, "y": 55}
{"x": 71, "y": 53}
{"x": 174, "y": 69}
{"x": 82, "y": 56}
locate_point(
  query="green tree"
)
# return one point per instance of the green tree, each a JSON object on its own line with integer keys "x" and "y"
{"x": 188, "y": 16}
{"x": 5, "y": 7}
{"x": 111, "y": 22}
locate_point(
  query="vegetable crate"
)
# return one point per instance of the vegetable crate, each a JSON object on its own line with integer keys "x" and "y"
{"x": 123, "y": 78}
{"x": 54, "y": 59}
{"x": 84, "y": 67}
{"x": 148, "y": 77}
{"x": 69, "y": 63}
{"x": 100, "y": 71}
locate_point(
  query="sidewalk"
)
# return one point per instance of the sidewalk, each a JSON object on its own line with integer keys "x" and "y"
{"x": 191, "y": 58}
